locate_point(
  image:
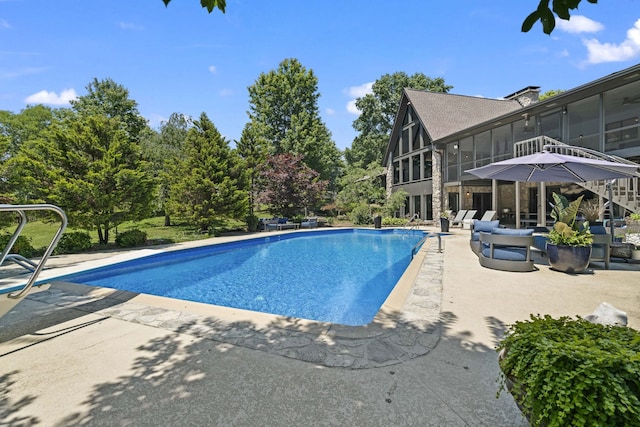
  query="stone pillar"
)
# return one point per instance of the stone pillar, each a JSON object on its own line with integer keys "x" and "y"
{"x": 437, "y": 198}
{"x": 389, "y": 177}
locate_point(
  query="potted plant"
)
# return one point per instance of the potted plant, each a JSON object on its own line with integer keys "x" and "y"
{"x": 444, "y": 221}
{"x": 569, "y": 244}
{"x": 569, "y": 372}
{"x": 592, "y": 211}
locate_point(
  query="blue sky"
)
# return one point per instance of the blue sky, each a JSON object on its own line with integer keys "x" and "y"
{"x": 182, "y": 59}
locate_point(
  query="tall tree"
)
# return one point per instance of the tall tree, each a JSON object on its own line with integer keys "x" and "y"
{"x": 378, "y": 111}
{"x": 210, "y": 179}
{"x": 289, "y": 186}
{"x": 361, "y": 186}
{"x": 88, "y": 166}
{"x": 111, "y": 100}
{"x": 254, "y": 149}
{"x": 25, "y": 125}
{"x": 284, "y": 109}
{"x": 163, "y": 149}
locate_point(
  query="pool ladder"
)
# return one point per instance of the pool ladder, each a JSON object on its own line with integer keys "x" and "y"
{"x": 12, "y": 295}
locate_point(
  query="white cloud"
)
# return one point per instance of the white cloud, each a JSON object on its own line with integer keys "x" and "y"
{"x": 226, "y": 92}
{"x": 358, "y": 92}
{"x": 51, "y": 98}
{"x": 579, "y": 24}
{"x": 330, "y": 111}
{"x": 212, "y": 69}
{"x": 4, "y": 24}
{"x": 130, "y": 26}
{"x": 611, "y": 52}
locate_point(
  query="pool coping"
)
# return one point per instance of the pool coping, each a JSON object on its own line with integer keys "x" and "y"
{"x": 406, "y": 326}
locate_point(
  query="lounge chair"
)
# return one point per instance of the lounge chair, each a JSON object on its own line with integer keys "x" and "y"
{"x": 459, "y": 217}
{"x": 488, "y": 216}
{"x": 468, "y": 219}
{"x": 309, "y": 223}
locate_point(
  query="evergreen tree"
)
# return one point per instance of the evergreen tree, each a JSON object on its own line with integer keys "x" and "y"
{"x": 211, "y": 180}
{"x": 284, "y": 109}
{"x": 88, "y": 166}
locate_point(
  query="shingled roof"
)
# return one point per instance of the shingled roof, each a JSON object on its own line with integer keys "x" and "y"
{"x": 443, "y": 114}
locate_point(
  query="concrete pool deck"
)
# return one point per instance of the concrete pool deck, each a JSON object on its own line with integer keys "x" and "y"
{"x": 81, "y": 356}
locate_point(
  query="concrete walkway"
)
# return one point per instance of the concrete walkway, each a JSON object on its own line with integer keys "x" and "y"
{"x": 80, "y": 356}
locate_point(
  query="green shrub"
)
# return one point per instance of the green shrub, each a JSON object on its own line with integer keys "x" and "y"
{"x": 22, "y": 245}
{"x": 131, "y": 238}
{"x": 391, "y": 221}
{"x": 573, "y": 372}
{"x": 73, "y": 242}
{"x": 361, "y": 215}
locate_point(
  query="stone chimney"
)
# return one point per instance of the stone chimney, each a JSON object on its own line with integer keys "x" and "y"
{"x": 526, "y": 96}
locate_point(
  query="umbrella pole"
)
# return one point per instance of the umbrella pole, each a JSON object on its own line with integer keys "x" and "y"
{"x": 611, "y": 225}
{"x": 517, "y": 192}
{"x": 542, "y": 219}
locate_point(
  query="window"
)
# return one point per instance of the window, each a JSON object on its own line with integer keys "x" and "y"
{"x": 416, "y": 168}
{"x": 583, "y": 123}
{"x": 417, "y": 138}
{"x": 551, "y": 125}
{"x": 466, "y": 154}
{"x": 405, "y": 170}
{"x": 502, "y": 143}
{"x": 396, "y": 172}
{"x": 452, "y": 162}
{"x": 428, "y": 165}
{"x": 524, "y": 129}
{"x": 483, "y": 148}
{"x": 417, "y": 208}
{"x": 429, "y": 206}
{"x": 621, "y": 117}
{"x": 405, "y": 140}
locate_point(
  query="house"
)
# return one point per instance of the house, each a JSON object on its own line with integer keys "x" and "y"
{"x": 437, "y": 137}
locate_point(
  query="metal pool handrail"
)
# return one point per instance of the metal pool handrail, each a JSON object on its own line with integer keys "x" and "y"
{"x": 414, "y": 251}
{"x": 20, "y": 210}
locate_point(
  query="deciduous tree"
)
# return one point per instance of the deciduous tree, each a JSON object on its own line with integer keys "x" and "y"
{"x": 284, "y": 109}
{"x": 378, "y": 111}
{"x": 289, "y": 186}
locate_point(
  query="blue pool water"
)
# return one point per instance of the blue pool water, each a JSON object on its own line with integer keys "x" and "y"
{"x": 339, "y": 276}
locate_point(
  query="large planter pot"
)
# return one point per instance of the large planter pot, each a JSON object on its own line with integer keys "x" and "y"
{"x": 444, "y": 225}
{"x": 569, "y": 259}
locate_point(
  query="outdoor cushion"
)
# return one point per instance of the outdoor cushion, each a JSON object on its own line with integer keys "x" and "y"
{"x": 483, "y": 226}
{"x": 506, "y": 252}
{"x": 512, "y": 231}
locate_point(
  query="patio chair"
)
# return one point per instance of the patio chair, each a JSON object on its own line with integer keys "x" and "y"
{"x": 488, "y": 216}
{"x": 459, "y": 217}
{"x": 309, "y": 223}
{"x": 468, "y": 219}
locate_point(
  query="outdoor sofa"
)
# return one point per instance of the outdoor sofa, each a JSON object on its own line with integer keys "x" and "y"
{"x": 502, "y": 248}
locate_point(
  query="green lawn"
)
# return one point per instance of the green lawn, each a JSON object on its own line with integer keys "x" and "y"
{"x": 41, "y": 233}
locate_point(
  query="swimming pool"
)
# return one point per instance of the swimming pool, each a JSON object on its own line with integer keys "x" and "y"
{"x": 338, "y": 276}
